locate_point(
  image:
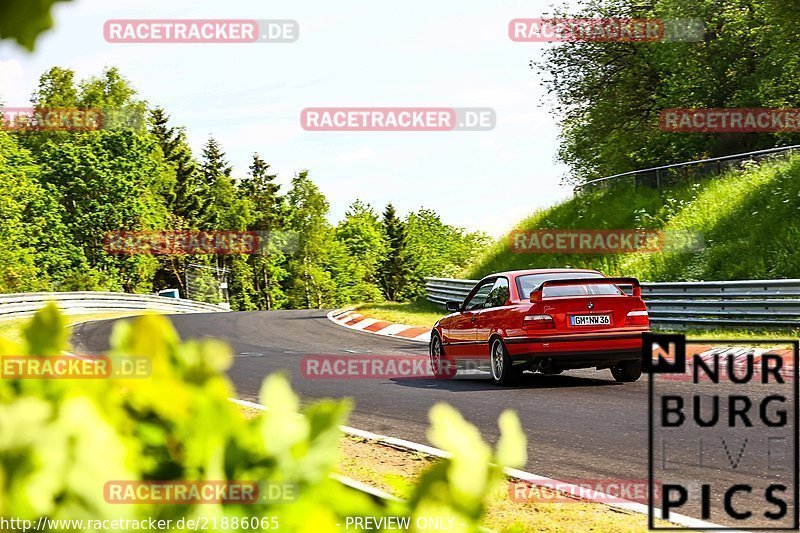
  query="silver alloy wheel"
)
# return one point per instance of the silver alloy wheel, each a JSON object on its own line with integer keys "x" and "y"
{"x": 497, "y": 360}
{"x": 436, "y": 355}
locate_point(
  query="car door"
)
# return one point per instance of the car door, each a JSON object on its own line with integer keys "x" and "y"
{"x": 460, "y": 338}
{"x": 492, "y": 313}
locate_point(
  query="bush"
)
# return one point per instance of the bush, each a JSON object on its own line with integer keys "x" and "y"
{"x": 62, "y": 440}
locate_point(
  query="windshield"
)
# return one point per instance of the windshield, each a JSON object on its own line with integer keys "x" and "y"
{"x": 527, "y": 284}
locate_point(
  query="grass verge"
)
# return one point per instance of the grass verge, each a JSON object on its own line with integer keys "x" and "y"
{"x": 747, "y": 221}
{"x": 396, "y": 471}
{"x": 417, "y": 313}
{"x": 12, "y": 329}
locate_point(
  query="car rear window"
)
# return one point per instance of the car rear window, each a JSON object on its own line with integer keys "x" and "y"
{"x": 527, "y": 284}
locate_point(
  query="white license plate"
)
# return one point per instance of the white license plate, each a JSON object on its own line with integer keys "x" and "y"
{"x": 590, "y": 320}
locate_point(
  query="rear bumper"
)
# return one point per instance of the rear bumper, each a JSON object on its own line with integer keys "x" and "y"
{"x": 602, "y": 349}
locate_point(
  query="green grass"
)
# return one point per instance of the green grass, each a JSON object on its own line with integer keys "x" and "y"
{"x": 418, "y": 313}
{"x": 749, "y": 221}
{"x": 12, "y": 329}
{"x": 737, "y": 334}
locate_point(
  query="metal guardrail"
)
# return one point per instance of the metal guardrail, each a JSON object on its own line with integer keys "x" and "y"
{"x": 19, "y": 305}
{"x": 718, "y": 304}
{"x": 657, "y": 177}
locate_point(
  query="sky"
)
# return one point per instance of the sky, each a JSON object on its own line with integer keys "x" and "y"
{"x": 448, "y": 53}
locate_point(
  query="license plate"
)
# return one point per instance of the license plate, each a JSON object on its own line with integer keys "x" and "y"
{"x": 590, "y": 320}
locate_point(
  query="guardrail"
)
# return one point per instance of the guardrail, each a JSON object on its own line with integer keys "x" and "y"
{"x": 19, "y": 305}
{"x": 657, "y": 177}
{"x": 718, "y": 304}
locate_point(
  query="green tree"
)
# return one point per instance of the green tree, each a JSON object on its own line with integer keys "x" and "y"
{"x": 436, "y": 249}
{"x": 394, "y": 269}
{"x": 361, "y": 246}
{"x": 268, "y": 266}
{"x": 609, "y": 95}
{"x": 310, "y": 285}
{"x": 224, "y": 209}
{"x": 105, "y": 180}
{"x": 56, "y": 89}
{"x": 36, "y": 247}
{"x": 183, "y": 200}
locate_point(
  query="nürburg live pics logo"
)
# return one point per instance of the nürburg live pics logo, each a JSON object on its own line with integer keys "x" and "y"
{"x": 722, "y": 432}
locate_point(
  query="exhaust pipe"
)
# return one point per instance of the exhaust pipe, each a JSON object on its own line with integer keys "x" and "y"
{"x": 545, "y": 363}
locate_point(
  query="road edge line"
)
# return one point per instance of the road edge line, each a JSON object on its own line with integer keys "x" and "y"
{"x": 626, "y": 505}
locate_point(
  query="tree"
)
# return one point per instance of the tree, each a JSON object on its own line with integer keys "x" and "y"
{"x": 37, "y": 249}
{"x": 56, "y": 89}
{"x": 106, "y": 180}
{"x": 394, "y": 269}
{"x": 310, "y": 285}
{"x": 216, "y": 190}
{"x": 436, "y": 249}
{"x": 364, "y": 248}
{"x": 609, "y": 95}
{"x": 268, "y": 267}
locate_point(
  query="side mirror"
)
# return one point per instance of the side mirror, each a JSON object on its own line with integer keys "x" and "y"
{"x": 453, "y": 306}
{"x": 536, "y": 296}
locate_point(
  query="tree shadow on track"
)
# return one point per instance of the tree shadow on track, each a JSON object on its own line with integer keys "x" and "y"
{"x": 527, "y": 381}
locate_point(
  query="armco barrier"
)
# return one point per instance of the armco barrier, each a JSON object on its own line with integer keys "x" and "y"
{"x": 658, "y": 177}
{"x": 718, "y": 304}
{"x": 20, "y": 305}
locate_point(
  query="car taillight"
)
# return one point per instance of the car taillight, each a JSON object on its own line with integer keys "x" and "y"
{"x": 637, "y": 318}
{"x": 538, "y": 322}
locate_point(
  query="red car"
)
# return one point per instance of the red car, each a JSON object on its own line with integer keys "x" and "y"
{"x": 545, "y": 320}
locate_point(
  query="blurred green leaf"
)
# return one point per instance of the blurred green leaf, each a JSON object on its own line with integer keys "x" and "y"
{"x": 24, "y": 20}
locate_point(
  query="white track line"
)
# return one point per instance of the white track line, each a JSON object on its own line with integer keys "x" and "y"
{"x": 615, "y": 502}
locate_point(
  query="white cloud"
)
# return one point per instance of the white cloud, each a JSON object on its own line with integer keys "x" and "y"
{"x": 12, "y": 83}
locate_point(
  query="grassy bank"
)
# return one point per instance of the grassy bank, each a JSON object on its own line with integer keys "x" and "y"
{"x": 749, "y": 222}
{"x": 12, "y": 329}
{"x": 396, "y": 471}
{"x": 417, "y": 313}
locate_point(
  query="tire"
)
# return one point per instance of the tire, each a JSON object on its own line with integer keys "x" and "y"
{"x": 502, "y": 371}
{"x": 442, "y": 366}
{"x": 627, "y": 371}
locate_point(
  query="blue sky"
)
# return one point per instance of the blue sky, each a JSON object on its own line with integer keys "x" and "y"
{"x": 350, "y": 53}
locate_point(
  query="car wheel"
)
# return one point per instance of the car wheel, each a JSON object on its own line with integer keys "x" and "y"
{"x": 442, "y": 365}
{"x": 627, "y": 371}
{"x": 503, "y": 373}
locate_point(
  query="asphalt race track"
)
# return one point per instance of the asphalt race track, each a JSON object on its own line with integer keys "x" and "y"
{"x": 581, "y": 425}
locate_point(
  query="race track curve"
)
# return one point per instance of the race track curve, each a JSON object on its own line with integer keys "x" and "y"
{"x": 581, "y": 425}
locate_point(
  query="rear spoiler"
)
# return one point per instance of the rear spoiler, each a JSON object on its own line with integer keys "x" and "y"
{"x": 536, "y": 294}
